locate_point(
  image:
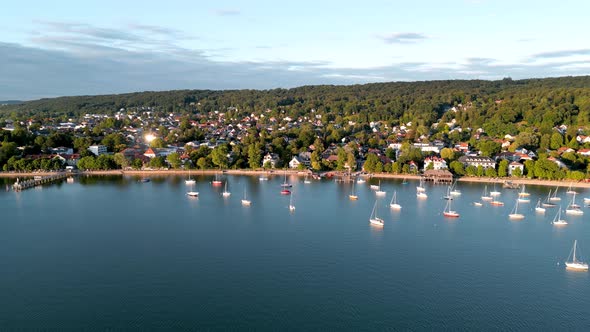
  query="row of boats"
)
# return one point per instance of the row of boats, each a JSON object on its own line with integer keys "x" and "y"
{"x": 245, "y": 201}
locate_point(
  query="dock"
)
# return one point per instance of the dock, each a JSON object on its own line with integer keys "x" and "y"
{"x": 38, "y": 181}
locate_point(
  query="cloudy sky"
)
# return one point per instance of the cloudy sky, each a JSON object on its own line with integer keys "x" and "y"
{"x": 61, "y": 47}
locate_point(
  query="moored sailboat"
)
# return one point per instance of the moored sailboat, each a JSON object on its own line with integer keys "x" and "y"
{"x": 291, "y": 205}
{"x": 570, "y": 190}
{"x": 189, "y": 181}
{"x": 373, "y": 219}
{"x": 557, "y": 221}
{"x": 216, "y": 182}
{"x": 514, "y": 214}
{"x": 394, "y": 204}
{"x": 448, "y": 212}
{"x": 539, "y": 208}
{"x": 353, "y": 196}
{"x": 245, "y": 201}
{"x": 494, "y": 192}
{"x": 555, "y": 198}
{"x": 225, "y": 192}
{"x": 486, "y": 196}
{"x": 286, "y": 184}
{"x": 380, "y": 192}
{"x": 575, "y": 264}
{"x": 547, "y": 203}
{"x": 573, "y": 208}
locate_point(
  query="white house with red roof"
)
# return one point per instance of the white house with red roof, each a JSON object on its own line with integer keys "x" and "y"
{"x": 584, "y": 152}
{"x": 437, "y": 163}
{"x": 149, "y": 153}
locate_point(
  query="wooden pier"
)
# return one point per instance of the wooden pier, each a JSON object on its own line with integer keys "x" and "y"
{"x": 38, "y": 181}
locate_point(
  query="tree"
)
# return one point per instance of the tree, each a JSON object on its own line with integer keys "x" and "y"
{"x": 342, "y": 158}
{"x": 120, "y": 160}
{"x": 480, "y": 170}
{"x": 489, "y": 148}
{"x": 490, "y": 172}
{"x": 219, "y": 156}
{"x": 351, "y": 161}
{"x": 173, "y": 160}
{"x": 202, "y": 163}
{"x": 529, "y": 167}
{"x": 137, "y": 164}
{"x": 371, "y": 162}
{"x": 503, "y": 168}
{"x": 157, "y": 143}
{"x": 396, "y": 168}
{"x": 316, "y": 162}
{"x": 516, "y": 172}
{"x": 556, "y": 141}
{"x": 254, "y": 155}
{"x": 447, "y": 154}
{"x": 158, "y": 162}
{"x": 471, "y": 170}
{"x": 457, "y": 167}
{"x": 86, "y": 163}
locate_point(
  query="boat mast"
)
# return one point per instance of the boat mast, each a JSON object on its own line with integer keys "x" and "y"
{"x": 575, "y": 243}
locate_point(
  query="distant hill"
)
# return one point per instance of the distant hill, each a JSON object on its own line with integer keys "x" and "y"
{"x": 499, "y": 107}
{"x": 11, "y": 102}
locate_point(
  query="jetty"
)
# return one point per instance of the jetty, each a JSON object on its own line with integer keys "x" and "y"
{"x": 38, "y": 181}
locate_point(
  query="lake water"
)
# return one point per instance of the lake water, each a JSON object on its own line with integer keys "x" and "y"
{"x": 115, "y": 253}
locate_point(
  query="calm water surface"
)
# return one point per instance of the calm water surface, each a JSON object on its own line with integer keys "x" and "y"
{"x": 114, "y": 253}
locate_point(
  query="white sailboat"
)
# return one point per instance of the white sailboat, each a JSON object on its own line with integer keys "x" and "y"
{"x": 539, "y": 208}
{"x": 477, "y": 204}
{"x": 360, "y": 180}
{"x": 421, "y": 195}
{"x": 547, "y": 202}
{"x": 245, "y": 201}
{"x": 420, "y": 187}
{"x": 380, "y": 192}
{"x": 514, "y": 214}
{"x": 494, "y": 192}
{"x": 225, "y": 192}
{"x": 373, "y": 219}
{"x": 448, "y": 212}
{"x": 291, "y": 205}
{"x": 394, "y": 204}
{"x": 573, "y": 208}
{"x": 189, "y": 181}
{"x": 557, "y": 221}
{"x": 306, "y": 179}
{"x": 523, "y": 192}
{"x": 285, "y": 183}
{"x": 555, "y": 198}
{"x": 353, "y": 196}
{"x": 454, "y": 191}
{"x": 570, "y": 190}
{"x": 575, "y": 264}
{"x": 485, "y": 196}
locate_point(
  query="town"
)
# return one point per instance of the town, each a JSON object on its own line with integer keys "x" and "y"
{"x": 202, "y": 136}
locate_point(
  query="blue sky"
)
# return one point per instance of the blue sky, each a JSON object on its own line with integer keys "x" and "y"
{"x": 60, "y": 47}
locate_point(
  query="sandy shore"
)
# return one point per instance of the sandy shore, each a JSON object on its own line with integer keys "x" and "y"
{"x": 144, "y": 173}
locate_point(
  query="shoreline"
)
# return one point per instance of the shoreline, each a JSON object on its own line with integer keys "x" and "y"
{"x": 518, "y": 181}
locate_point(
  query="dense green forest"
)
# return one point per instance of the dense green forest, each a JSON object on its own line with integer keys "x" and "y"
{"x": 538, "y": 103}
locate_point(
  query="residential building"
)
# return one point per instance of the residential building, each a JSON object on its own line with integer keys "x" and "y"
{"x": 270, "y": 158}
{"x": 97, "y": 150}
{"x": 514, "y": 165}
{"x": 295, "y": 162}
{"x": 476, "y": 161}
{"x": 437, "y": 163}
